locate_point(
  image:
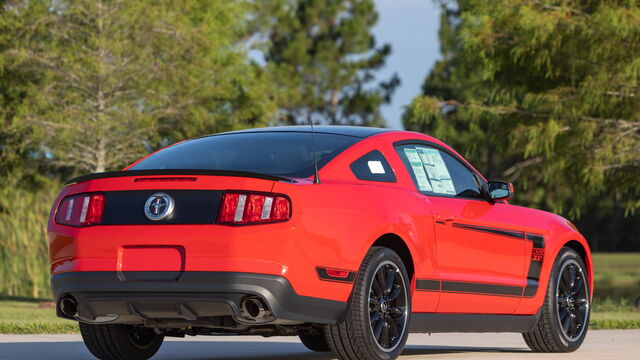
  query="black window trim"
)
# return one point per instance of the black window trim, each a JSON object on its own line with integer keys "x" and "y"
{"x": 441, "y": 148}
{"x": 392, "y": 177}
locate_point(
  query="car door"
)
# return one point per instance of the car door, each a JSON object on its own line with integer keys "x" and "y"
{"x": 480, "y": 245}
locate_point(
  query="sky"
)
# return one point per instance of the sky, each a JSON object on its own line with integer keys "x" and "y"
{"x": 411, "y": 27}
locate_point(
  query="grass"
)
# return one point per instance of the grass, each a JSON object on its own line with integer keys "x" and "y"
{"x": 617, "y": 276}
{"x": 617, "y": 285}
{"x": 615, "y": 320}
{"x": 32, "y": 317}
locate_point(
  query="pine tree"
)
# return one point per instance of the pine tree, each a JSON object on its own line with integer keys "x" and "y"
{"x": 560, "y": 78}
{"x": 19, "y": 81}
{"x": 451, "y": 82}
{"x": 322, "y": 59}
{"x": 120, "y": 76}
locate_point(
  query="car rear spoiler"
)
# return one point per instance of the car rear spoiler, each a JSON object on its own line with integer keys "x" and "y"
{"x": 124, "y": 173}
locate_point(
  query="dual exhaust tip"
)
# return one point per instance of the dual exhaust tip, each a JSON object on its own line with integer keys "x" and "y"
{"x": 254, "y": 308}
{"x": 68, "y": 306}
{"x": 251, "y": 307}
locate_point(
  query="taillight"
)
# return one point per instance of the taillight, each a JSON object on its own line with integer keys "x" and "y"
{"x": 81, "y": 210}
{"x": 244, "y": 208}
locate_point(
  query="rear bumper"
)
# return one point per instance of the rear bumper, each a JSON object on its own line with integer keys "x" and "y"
{"x": 192, "y": 297}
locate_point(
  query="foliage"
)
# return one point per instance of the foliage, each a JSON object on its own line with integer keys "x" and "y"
{"x": 116, "y": 76}
{"x": 91, "y": 85}
{"x": 24, "y": 259}
{"x": 18, "y": 83}
{"x": 322, "y": 58}
{"x": 450, "y": 83}
{"x": 561, "y": 79}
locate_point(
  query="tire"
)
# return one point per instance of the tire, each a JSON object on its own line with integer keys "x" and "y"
{"x": 380, "y": 307}
{"x": 314, "y": 342}
{"x": 120, "y": 342}
{"x": 564, "y": 319}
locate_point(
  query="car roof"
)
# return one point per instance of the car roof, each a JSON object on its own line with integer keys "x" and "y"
{"x": 355, "y": 131}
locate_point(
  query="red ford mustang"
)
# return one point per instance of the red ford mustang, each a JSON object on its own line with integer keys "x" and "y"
{"x": 390, "y": 232}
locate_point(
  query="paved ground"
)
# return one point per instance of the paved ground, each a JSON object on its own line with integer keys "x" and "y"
{"x": 602, "y": 344}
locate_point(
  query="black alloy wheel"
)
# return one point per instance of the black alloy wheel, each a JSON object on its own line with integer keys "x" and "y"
{"x": 376, "y": 326}
{"x": 388, "y": 306}
{"x": 564, "y": 315}
{"x": 573, "y": 300}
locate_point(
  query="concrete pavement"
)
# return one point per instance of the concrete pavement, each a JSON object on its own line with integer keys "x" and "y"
{"x": 599, "y": 344}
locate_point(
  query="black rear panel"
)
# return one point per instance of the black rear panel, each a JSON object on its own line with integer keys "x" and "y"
{"x": 191, "y": 207}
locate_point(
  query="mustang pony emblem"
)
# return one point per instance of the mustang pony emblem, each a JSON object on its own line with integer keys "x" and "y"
{"x": 158, "y": 206}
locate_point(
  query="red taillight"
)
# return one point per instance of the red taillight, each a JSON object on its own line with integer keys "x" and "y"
{"x": 335, "y": 273}
{"x": 81, "y": 210}
{"x": 253, "y": 208}
{"x": 229, "y": 205}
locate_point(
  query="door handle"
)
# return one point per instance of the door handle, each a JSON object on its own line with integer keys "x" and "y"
{"x": 445, "y": 218}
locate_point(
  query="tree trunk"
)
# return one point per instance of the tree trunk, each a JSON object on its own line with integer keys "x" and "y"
{"x": 334, "y": 106}
{"x": 101, "y": 156}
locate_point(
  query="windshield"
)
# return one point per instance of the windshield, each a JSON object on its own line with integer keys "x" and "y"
{"x": 274, "y": 153}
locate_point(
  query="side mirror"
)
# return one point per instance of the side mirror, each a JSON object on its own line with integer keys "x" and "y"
{"x": 500, "y": 190}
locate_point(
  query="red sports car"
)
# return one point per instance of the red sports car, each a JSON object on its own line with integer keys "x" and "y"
{"x": 348, "y": 237}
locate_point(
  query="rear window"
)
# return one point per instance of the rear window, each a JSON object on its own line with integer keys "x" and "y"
{"x": 273, "y": 153}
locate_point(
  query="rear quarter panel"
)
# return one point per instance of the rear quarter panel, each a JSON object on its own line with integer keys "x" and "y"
{"x": 338, "y": 223}
{"x": 343, "y": 217}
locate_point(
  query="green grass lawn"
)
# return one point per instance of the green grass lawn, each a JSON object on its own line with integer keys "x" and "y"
{"x": 617, "y": 276}
{"x": 617, "y": 285}
{"x": 32, "y": 317}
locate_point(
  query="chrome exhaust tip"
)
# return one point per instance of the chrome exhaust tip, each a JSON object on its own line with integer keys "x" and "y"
{"x": 253, "y": 308}
{"x": 68, "y": 306}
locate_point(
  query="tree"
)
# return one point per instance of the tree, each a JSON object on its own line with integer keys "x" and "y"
{"x": 322, "y": 58}
{"x": 18, "y": 82}
{"x": 121, "y": 76}
{"x": 451, "y": 82}
{"x": 479, "y": 136}
{"x": 560, "y": 78}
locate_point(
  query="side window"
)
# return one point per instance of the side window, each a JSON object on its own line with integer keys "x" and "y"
{"x": 373, "y": 167}
{"x": 435, "y": 172}
{"x": 463, "y": 179}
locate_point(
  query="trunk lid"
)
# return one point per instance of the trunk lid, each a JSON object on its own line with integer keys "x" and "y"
{"x": 195, "y": 195}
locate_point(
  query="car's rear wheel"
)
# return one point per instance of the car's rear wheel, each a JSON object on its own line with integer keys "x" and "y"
{"x": 120, "y": 342}
{"x": 376, "y": 326}
{"x": 565, "y": 313}
{"x": 315, "y": 342}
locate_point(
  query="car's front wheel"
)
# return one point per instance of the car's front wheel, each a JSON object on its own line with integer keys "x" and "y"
{"x": 376, "y": 326}
{"x": 565, "y": 313}
{"x": 120, "y": 342}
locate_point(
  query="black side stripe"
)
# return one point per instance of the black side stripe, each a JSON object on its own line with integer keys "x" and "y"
{"x": 480, "y": 288}
{"x": 490, "y": 230}
{"x": 533, "y": 277}
{"x": 428, "y": 285}
{"x": 461, "y": 287}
